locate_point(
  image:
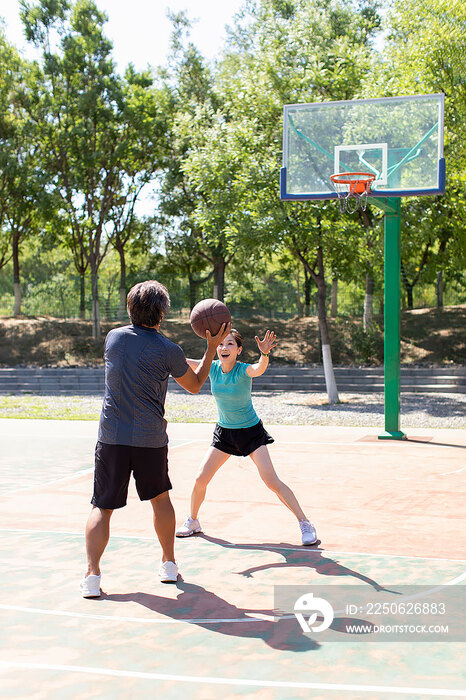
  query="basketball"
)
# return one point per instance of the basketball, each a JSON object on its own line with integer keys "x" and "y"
{"x": 209, "y": 314}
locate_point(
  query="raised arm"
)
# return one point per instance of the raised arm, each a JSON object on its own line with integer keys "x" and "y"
{"x": 193, "y": 379}
{"x": 194, "y": 364}
{"x": 265, "y": 346}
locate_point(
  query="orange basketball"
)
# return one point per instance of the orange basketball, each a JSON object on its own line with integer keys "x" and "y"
{"x": 359, "y": 187}
{"x": 209, "y": 314}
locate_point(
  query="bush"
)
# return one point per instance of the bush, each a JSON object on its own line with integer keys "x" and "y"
{"x": 367, "y": 346}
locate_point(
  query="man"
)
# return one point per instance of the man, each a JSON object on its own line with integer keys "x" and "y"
{"x": 132, "y": 429}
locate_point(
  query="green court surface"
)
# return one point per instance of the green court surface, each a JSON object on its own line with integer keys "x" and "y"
{"x": 387, "y": 515}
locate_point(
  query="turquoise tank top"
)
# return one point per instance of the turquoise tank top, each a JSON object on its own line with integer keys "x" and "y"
{"x": 232, "y": 393}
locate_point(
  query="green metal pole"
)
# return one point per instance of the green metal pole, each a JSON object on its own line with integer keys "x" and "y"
{"x": 392, "y": 299}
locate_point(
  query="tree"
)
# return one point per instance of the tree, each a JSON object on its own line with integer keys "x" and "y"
{"x": 289, "y": 52}
{"x": 369, "y": 257}
{"x": 93, "y": 127}
{"x": 24, "y": 193}
{"x": 434, "y": 240}
{"x": 9, "y": 79}
{"x": 75, "y": 103}
{"x": 425, "y": 53}
{"x": 144, "y": 114}
{"x": 189, "y": 245}
{"x": 214, "y": 169}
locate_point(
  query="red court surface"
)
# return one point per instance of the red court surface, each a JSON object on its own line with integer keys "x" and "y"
{"x": 387, "y": 514}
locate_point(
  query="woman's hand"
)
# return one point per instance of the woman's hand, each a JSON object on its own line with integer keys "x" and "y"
{"x": 268, "y": 343}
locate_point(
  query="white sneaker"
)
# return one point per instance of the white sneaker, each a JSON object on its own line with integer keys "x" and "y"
{"x": 308, "y": 532}
{"x": 168, "y": 572}
{"x": 189, "y": 527}
{"x": 90, "y": 586}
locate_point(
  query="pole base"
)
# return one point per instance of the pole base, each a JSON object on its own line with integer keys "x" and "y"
{"x": 392, "y": 435}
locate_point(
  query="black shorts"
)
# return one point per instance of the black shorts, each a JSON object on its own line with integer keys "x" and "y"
{"x": 113, "y": 467}
{"x": 240, "y": 441}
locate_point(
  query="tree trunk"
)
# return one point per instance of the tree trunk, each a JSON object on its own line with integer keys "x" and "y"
{"x": 368, "y": 303}
{"x": 16, "y": 276}
{"x": 439, "y": 289}
{"x": 17, "y": 304}
{"x": 319, "y": 279}
{"x": 330, "y": 383}
{"x": 82, "y": 296}
{"x": 219, "y": 279}
{"x": 334, "y": 298}
{"x": 122, "y": 305}
{"x": 63, "y": 305}
{"x": 108, "y": 305}
{"x": 307, "y": 292}
{"x": 122, "y": 312}
{"x": 95, "y": 305}
{"x": 192, "y": 291}
{"x": 299, "y": 303}
{"x": 409, "y": 295}
{"x": 381, "y": 307}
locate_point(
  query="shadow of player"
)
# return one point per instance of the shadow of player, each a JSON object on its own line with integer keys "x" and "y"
{"x": 294, "y": 558}
{"x": 201, "y": 607}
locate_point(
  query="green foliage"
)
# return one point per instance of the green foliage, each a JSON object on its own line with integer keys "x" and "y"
{"x": 366, "y": 346}
{"x": 81, "y": 144}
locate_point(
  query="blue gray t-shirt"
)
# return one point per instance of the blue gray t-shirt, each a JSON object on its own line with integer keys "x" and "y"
{"x": 138, "y": 362}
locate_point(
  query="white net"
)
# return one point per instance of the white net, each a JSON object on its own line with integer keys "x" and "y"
{"x": 352, "y": 190}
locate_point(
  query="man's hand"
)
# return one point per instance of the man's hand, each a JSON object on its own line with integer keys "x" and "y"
{"x": 193, "y": 380}
{"x": 213, "y": 341}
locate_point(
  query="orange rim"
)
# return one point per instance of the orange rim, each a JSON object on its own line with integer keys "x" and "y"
{"x": 359, "y": 183}
{"x": 350, "y": 178}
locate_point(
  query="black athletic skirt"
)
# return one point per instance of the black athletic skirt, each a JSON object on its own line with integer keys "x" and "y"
{"x": 240, "y": 441}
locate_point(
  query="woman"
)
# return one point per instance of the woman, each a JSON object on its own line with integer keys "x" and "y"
{"x": 239, "y": 431}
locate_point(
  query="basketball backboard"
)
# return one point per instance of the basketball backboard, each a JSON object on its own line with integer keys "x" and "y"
{"x": 399, "y": 139}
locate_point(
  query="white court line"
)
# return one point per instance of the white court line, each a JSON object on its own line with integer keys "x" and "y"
{"x": 457, "y": 471}
{"x": 188, "y": 441}
{"x": 272, "y": 548}
{"x": 261, "y": 617}
{"x": 93, "y": 670}
{"x": 76, "y": 475}
{"x": 79, "y": 473}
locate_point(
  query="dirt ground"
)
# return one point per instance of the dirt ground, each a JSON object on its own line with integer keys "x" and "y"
{"x": 429, "y": 336}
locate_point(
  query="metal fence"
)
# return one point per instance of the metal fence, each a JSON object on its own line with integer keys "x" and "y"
{"x": 64, "y": 303}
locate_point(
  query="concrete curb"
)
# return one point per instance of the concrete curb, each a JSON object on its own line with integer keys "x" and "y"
{"x": 90, "y": 381}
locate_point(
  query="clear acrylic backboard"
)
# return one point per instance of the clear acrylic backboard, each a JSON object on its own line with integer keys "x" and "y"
{"x": 399, "y": 139}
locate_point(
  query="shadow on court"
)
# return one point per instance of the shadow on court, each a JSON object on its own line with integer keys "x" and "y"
{"x": 200, "y": 605}
{"x": 293, "y": 558}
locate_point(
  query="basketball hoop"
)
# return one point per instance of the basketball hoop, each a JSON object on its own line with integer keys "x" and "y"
{"x": 352, "y": 190}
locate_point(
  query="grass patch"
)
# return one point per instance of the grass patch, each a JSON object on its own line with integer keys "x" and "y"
{"x": 50, "y": 407}
{"x": 79, "y": 408}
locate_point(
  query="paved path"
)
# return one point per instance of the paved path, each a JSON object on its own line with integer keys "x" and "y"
{"x": 311, "y": 408}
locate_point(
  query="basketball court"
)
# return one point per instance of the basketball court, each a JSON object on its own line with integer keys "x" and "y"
{"x": 387, "y": 513}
